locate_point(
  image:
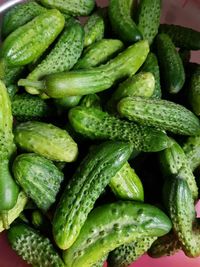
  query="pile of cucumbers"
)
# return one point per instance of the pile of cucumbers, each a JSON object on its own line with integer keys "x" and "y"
{"x": 99, "y": 133}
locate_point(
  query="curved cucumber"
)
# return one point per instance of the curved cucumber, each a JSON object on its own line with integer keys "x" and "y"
{"x": 46, "y": 140}
{"x": 163, "y": 114}
{"x": 90, "y": 179}
{"x": 98, "y": 125}
{"x": 194, "y": 91}
{"x": 192, "y": 151}
{"x": 112, "y": 225}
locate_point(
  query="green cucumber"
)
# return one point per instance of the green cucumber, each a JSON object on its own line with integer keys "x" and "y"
{"x": 151, "y": 65}
{"x": 29, "y": 41}
{"x": 191, "y": 148}
{"x": 34, "y": 248}
{"x": 163, "y": 114}
{"x": 39, "y": 178}
{"x": 127, "y": 185}
{"x": 171, "y": 65}
{"x": 181, "y": 36}
{"x": 67, "y": 102}
{"x": 109, "y": 226}
{"x": 71, "y": 7}
{"x": 89, "y": 81}
{"x": 19, "y": 15}
{"x": 194, "y": 91}
{"x": 98, "y": 125}
{"x": 120, "y": 14}
{"x": 99, "y": 53}
{"x": 148, "y": 15}
{"x": 46, "y": 140}
{"x": 90, "y": 179}
{"x": 12, "y": 90}
{"x": 92, "y": 100}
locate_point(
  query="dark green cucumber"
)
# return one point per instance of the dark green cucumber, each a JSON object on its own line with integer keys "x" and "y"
{"x": 63, "y": 56}
{"x": 98, "y": 125}
{"x": 99, "y": 53}
{"x": 29, "y": 41}
{"x": 90, "y": 179}
{"x": 91, "y": 101}
{"x": 151, "y": 65}
{"x": 39, "y": 178}
{"x": 171, "y": 65}
{"x": 27, "y": 107}
{"x": 109, "y": 226}
{"x": 71, "y": 7}
{"x": 46, "y": 140}
{"x": 89, "y": 81}
{"x": 181, "y": 36}
{"x": 148, "y": 16}
{"x": 41, "y": 222}
{"x": 120, "y": 14}
{"x": 34, "y": 248}
{"x": 19, "y": 15}
{"x": 124, "y": 255}
{"x": 94, "y": 29}
{"x": 127, "y": 185}
{"x": 159, "y": 113}
{"x": 194, "y": 91}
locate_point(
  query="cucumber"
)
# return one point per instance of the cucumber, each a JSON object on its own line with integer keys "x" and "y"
{"x": 40, "y": 222}
{"x": 127, "y": 185}
{"x": 12, "y": 90}
{"x": 46, "y": 140}
{"x": 163, "y": 114}
{"x": 34, "y": 248}
{"x": 67, "y": 102}
{"x": 181, "y": 36}
{"x": 191, "y": 148}
{"x": 120, "y": 14}
{"x": 171, "y": 65}
{"x": 151, "y": 65}
{"x": 194, "y": 91}
{"x": 98, "y": 125}
{"x": 19, "y": 15}
{"x": 71, "y": 7}
{"x": 112, "y": 225}
{"x": 90, "y": 179}
{"x": 92, "y": 100}
{"x": 39, "y": 178}
{"x": 93, "y": 56}
{"x": 148, "y": 16}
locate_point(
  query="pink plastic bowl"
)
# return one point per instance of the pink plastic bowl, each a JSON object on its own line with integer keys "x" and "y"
{"x": 183, "y": 12}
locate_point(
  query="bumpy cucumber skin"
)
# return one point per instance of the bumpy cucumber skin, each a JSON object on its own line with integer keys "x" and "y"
{"x": 124, "y": 255}
{"x": 63, "y": 56}
{"x": 29, "y": 41}
{"x": 112, "y": 225}
{"x": 94, "y": 29}
{"x": 34, "y": 248}
{"x": 9, "y": 75}
{"x": 99, "y": 53}
{"x": 42, "y": 188}
{"x": 90, "y": 179}
{"x": 159, "y": 113}
{"x": 194, "y": 91}
{"x": 71, "y": 7}
{"x": 46, "y": 140}
{"x": 192, "y": 151}
{"x": 120, "y": 14}
{"x": 98, "y": 125}
{"x": 171, "y": 65}
{"x": 19, "y": 15}
{"x": 148, "y": 16}
{"x": 151, "y": 65}
{"x": 127, "y": 185}
{"x": 26, "y": 107}
{"x": 181, "y": 36}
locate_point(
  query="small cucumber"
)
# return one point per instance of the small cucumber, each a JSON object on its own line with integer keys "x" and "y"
{"x": 46, "y": 140}
{"x": 109, "y": 226}
{"x": 71, "y": 7}
{"x": 181, "y": 36}
{"x": 99, "y": 53}
{"x": 127, "y": 185}
{"x": 39, "y": 178}
{"x": 148, "y": 16}
{"x": 120, "y": 14}
{"x": 171, "y": 65}
{"x": 159, "y": 113}
{"x": 151, "y": 65}
{"x": 192, "y": 151}
{"x": 98, "y": 125}
{"x": 88, "y": 182}
{"x": 194, "y": 91}
{"x": 34, "y": 248}
{"x": 19, "y": 15}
